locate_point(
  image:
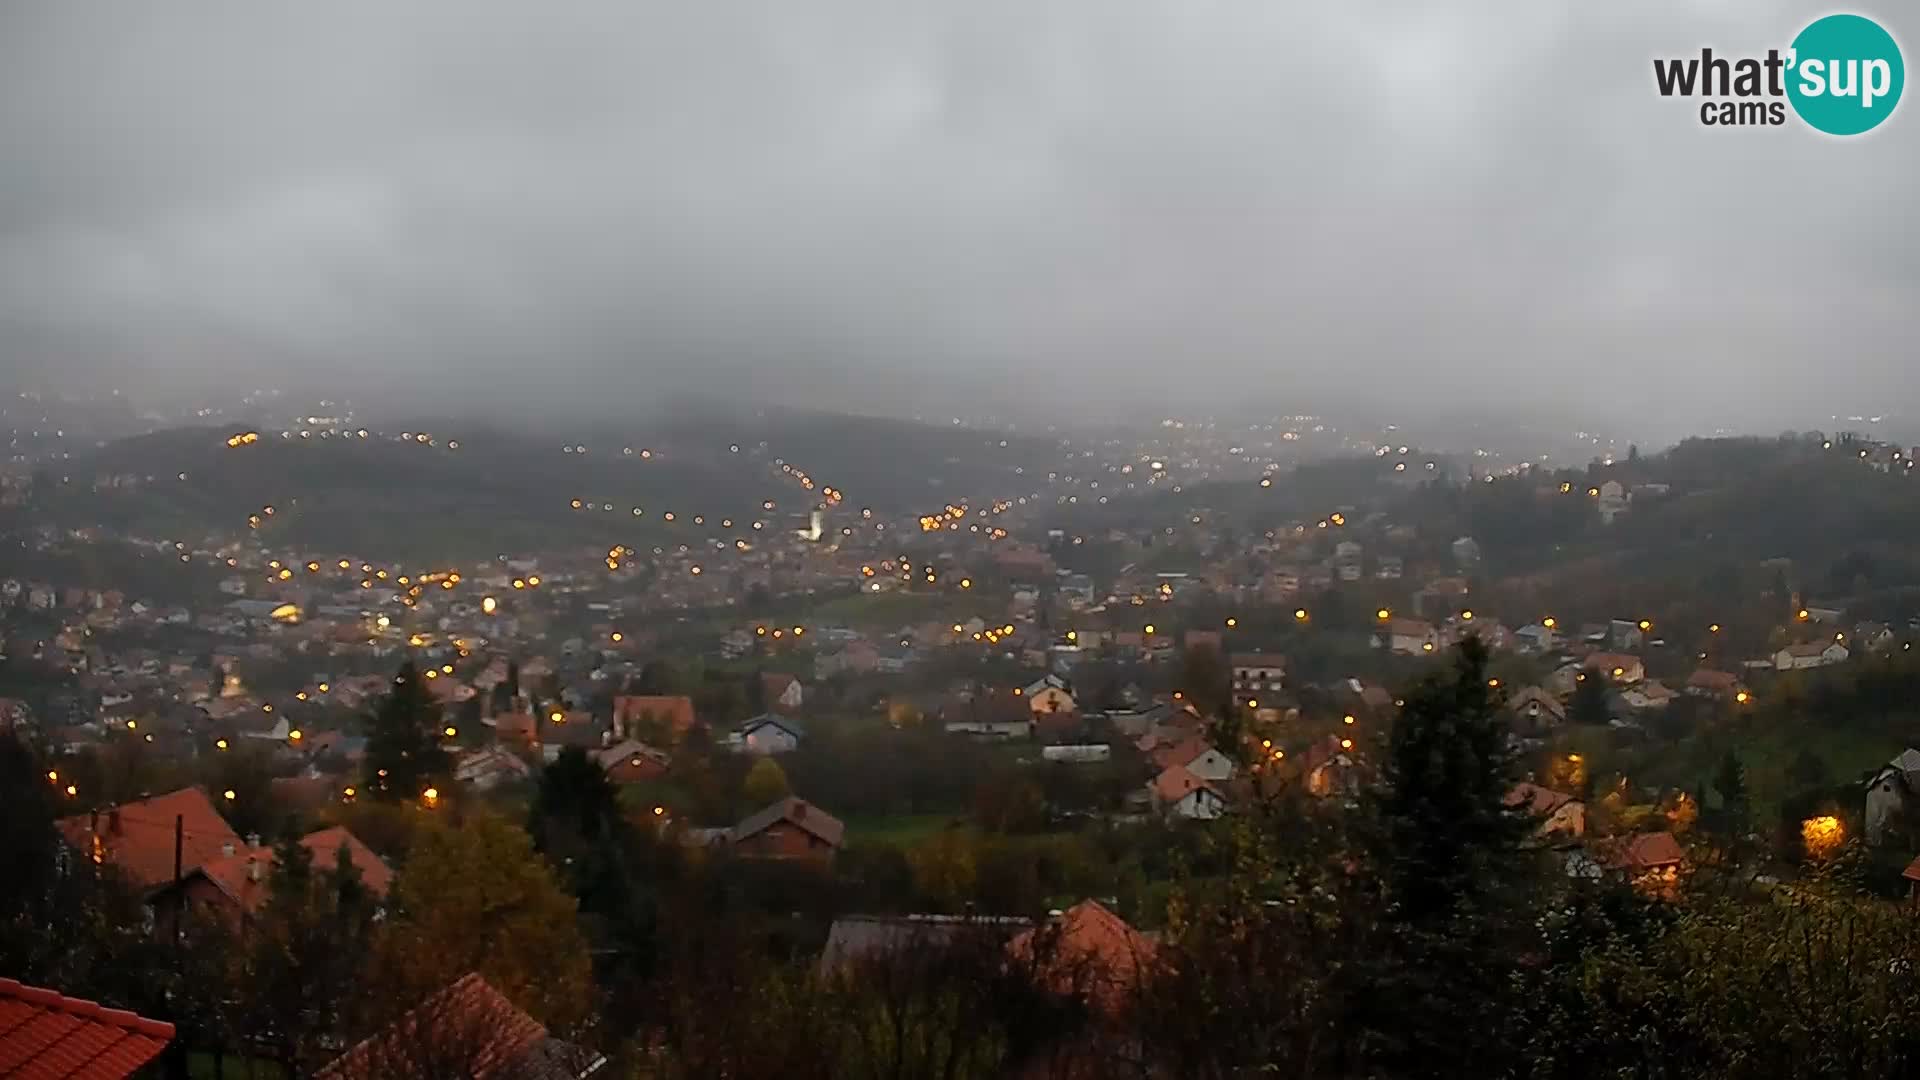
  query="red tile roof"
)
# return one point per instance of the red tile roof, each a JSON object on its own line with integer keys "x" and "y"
{"x": 1716, "y": 681}
{"x": 45, "y": 1035}
{"x": 233, "y": 875}
{"x": 674, "y": 710}
{"x": 469, "y": 1029}
{"x": 517, "y": 727}
{"x": 1607, "y": 661}
{"x": 1180, "y": 753}
{"x": 137, "y": 837}
{"x": 1176, "y": 782}
{"x": 1095, "y": 951}
{"x": 810, "y": 819}
{"x": 1649, "y": 851}
{"x": 1537, "y": 799}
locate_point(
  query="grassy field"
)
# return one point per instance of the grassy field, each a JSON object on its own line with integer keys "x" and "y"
{"x": 1768, "y": 755}
{"x": 898, "y": 830}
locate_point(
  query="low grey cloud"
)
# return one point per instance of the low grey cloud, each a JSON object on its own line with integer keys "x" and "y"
{"x": 907, "y": 206}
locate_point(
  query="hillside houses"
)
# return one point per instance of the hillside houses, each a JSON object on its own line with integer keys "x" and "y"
{"x": 1810, "y": 654}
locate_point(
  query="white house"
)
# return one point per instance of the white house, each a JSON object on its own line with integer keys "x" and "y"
{"x": 1413, "y": 637}
{"x": 1536, "y": 638}
{"x": 1613, "y": 501}
{"x": 1178, "y": 792}
{"x": 1889, "y": 791}
{"x": 769, "y": 733}
{"x": 1811, "y": 654}
{"x": 1212, "y": 765}
{"x": 1050, "y": 699}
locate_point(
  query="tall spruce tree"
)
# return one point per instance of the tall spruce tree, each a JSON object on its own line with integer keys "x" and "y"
{"x": 1589, "y": 702}
{"x": 303, "y": 955}
{"x": 1730, "y": 780}
{"x": 1456, "y": 877}
{"x": 405, "y": 755}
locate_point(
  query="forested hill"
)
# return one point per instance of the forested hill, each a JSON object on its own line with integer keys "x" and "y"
{"x": 491, "y": 490}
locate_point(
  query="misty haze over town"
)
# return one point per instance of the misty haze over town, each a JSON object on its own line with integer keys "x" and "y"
{"x": 1065, "y": 211}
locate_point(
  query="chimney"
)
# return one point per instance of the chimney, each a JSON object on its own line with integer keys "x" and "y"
{"x": 113, "y": 822}
{"x": 799, "y": 810}
{"x": 256, "y": 868}
{"x": 226, "y": 851}
{"x": 253, "y": 839}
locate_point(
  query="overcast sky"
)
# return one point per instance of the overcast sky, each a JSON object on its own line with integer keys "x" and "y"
{"x": 917, "y": 206}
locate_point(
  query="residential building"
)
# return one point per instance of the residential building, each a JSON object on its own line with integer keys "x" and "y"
{"x": 1810, "y": 654}
{"x": 632, "y": 761}
{"x": 1257, "y": 675}
{"x": 1708, "y": 683}
{"x": 1092, "y": 951}
{"x": 1410, "y": 637}
{"x": 634, "y": 715}
{"x": 789, "y": 829}
{"x": 1536, "y": 638}
{"x": 468, "y": 1030}
{"x": 1619, "y": 668}
{"x": 769, "y": 733}
{"x": 139, "y": 839}
{"x": 779, "y": 690}
{"x": 236, "y": 886}
{"x": 1558, "y": 814}
{"x": 1535, "y": 712}
{"x": 1177, "y": 791}
{"x": 489, "y": 767}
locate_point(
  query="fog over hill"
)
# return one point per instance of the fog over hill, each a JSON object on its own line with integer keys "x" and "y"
{"x": 1080, "y": 213}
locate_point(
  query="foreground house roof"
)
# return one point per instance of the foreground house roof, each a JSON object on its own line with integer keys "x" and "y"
{"x": 855, "y": 939}
{"x": 46, "y": 1035}
{"x": 1089, "y": 950}
{"x": 469, "y": 1030}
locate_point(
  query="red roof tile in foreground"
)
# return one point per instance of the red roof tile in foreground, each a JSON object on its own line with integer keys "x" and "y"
{"x": 45, "y": 1035}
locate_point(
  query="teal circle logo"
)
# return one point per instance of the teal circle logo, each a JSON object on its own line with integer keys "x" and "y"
{"x": 1845, "y": 74}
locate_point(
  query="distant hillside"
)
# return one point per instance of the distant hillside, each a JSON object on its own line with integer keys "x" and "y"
{"x": 1729, "y": 505}
{"x": 474, "y": 493}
